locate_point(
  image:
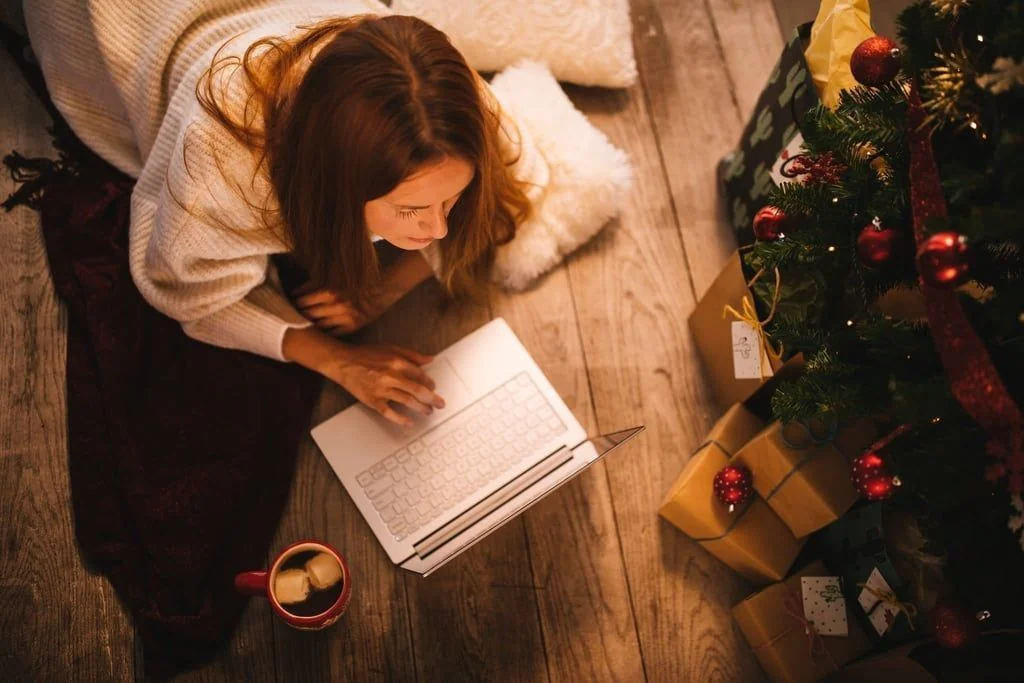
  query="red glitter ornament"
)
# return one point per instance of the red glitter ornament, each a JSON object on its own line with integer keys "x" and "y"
{"x": 733, "y": 485}
{"x": 875, "y": 62}
{"x": 770, "y": 223}
{"x": 871, "y": 477}
{"x": 942, "y": 259}
{"x": 876, "y": 244}
{"x": 954, "y": 625}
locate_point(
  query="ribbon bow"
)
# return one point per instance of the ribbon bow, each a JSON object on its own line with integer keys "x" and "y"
{"x": 749, "y": 316}
{"x": 887, "y": 597}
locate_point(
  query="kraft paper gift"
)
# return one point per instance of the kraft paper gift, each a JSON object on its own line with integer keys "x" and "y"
{"x": 807, "y": 484}
{"x": 785, "y": 643}
{"x": 753, "y": 540}
{"x": 733, "y": 355}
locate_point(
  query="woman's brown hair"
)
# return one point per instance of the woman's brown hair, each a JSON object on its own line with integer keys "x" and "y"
{"x": 342, "y": 114}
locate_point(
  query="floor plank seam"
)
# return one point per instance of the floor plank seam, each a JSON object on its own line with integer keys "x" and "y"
{"x": 664, "y": 173}
{"x": 536, "y": 602}
{"x": 607, "y": 477}
{"x": 722, "y": 59}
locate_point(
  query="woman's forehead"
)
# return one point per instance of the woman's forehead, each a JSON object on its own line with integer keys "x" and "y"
{"x": 433, "y": 184}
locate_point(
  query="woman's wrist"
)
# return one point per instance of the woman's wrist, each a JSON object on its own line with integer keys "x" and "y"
{"x": 311, "y": 348}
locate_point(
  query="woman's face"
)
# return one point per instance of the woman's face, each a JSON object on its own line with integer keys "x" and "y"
{"x": 415, "y": 213}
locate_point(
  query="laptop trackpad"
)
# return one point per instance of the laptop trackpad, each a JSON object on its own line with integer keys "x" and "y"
{"x": 450, "y": 387}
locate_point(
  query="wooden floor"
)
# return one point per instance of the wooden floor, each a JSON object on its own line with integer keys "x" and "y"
{"x": 590, "y": 585}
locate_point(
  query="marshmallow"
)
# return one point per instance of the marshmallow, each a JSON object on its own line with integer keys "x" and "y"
{"x": 291, "y": 586}
{"x": 324, "y": 571}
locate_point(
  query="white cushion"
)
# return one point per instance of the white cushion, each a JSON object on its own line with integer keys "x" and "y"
{"x": 579, "y": 182}
{"x": 589, "y": 42}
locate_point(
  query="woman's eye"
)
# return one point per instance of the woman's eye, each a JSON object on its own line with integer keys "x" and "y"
{"x": 409, "y": 213}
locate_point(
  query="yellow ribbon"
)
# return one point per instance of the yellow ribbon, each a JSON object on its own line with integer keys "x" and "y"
{"x": 889, "y": 598}
{"x": 749, "y": 316}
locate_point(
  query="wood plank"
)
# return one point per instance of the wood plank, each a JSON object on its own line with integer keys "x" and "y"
{"x": 589, "y": 633}
{"x": 372, "y": 642}
{"x": 462, "y": 615}
{"x": 633, "y": 293}
{"x": 248, "y": 656}
{"x": 56, "y": 620}
{"x": 750, "y": 44}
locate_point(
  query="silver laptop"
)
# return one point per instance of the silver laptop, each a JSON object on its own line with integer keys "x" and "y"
{"x": 504, "y": 440}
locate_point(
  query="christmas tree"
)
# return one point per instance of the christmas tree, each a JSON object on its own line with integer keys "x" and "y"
{"x": 906, "y": 296}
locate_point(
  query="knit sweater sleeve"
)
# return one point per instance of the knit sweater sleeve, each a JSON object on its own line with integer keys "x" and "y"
{"x": 201, "y": 248}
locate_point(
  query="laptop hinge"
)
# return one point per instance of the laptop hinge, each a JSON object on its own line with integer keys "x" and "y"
{"x": 513, "y": 488}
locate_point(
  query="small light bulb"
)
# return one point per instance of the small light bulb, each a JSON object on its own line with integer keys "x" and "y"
{"x": 832, "y": 248}
{"x": 835, "y": 200}
{"x": 849, "y": 323}
{"x": 981, "y": 38}
{"x": 974, "y": 125}
{"x": 936, "y": 420}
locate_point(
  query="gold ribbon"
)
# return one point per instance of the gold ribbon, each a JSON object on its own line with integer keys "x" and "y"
{"x": 749, "y": 316}
{"x": 887, "y": 597}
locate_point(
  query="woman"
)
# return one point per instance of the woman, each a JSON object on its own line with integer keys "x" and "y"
{"x": 273, "y": 130}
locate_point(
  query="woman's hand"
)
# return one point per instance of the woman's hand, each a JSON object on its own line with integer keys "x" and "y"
{"x": 332, "y": 313}
{"x": 381, "y": 375}
{"x": 338, "y": 316}
{"x": 378, "y": 376}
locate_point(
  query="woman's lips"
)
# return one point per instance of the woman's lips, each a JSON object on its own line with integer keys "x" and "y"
{"x": 417, "y": 240}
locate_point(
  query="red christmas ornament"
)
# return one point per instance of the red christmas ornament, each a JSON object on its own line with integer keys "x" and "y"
{"x": 871, "y": 477}
{"x": 770, "y": 223}
{"x": 942, "y": 259}
{"x": 954, "y": 625}
{"x": 875, "y": 244}
{"x": 733, "y": 485}
{"x": 875, "y": 62}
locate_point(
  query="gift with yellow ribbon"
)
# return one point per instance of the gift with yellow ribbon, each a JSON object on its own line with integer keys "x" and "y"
{"x": 785, "y": 642}
{"x": 752, "y": 540}
{"x": 730, "y": 338}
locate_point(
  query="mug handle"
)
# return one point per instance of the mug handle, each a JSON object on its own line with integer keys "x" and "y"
{"x": 251, "y": 583}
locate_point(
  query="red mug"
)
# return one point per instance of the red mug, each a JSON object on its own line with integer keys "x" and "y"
{"x": 308, "y": 585}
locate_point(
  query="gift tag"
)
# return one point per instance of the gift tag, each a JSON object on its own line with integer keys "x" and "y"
{"x": 881, "y": 615}
{"x": 824, "y": 604}
{"x": 746, "y": 348}
{"x": 794, "y": 147}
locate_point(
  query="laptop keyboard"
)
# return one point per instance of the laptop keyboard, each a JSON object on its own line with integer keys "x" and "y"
{"x": 486, "y": 442}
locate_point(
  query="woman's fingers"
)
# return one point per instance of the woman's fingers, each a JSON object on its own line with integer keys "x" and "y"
{"x": 384, "y": 408}
{"x": 317, "y": 311}
{"x": 321, "y": 296}
{"x": 414, "y": 356}
{"x": 409, "y": 401}
{"x": 416, "y": 389}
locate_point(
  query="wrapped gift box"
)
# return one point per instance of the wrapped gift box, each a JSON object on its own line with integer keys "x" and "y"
{"x": 856, "y": 546}
{"x": 752, "y": 540}
{"x": 788, "y": 647}
{"x": 807, "y": 484}
{"x": 750, "y": 171}
{"x": 729, "y": 348}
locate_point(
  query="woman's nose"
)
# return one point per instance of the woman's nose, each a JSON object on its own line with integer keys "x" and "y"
{"x": 436, "y": 223}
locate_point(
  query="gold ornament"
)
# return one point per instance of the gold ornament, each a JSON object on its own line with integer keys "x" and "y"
{"x": 949, "y": 7}
{"x": 943, "y": 89}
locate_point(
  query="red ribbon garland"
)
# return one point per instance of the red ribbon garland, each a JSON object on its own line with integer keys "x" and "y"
{"x": 972, "y": 376}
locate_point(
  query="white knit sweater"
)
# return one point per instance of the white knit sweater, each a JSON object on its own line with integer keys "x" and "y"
{"x": 123, "y": 74}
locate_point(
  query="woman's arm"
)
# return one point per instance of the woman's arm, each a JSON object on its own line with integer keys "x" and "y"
{"x": 338, "y": 316}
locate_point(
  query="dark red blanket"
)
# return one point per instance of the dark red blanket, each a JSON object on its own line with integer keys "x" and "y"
{"x": 180, "y": 454}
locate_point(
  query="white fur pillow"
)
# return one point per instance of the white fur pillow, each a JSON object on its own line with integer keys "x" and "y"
{"x": 589, "y": 42}
{"x": 587, "y": 177}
